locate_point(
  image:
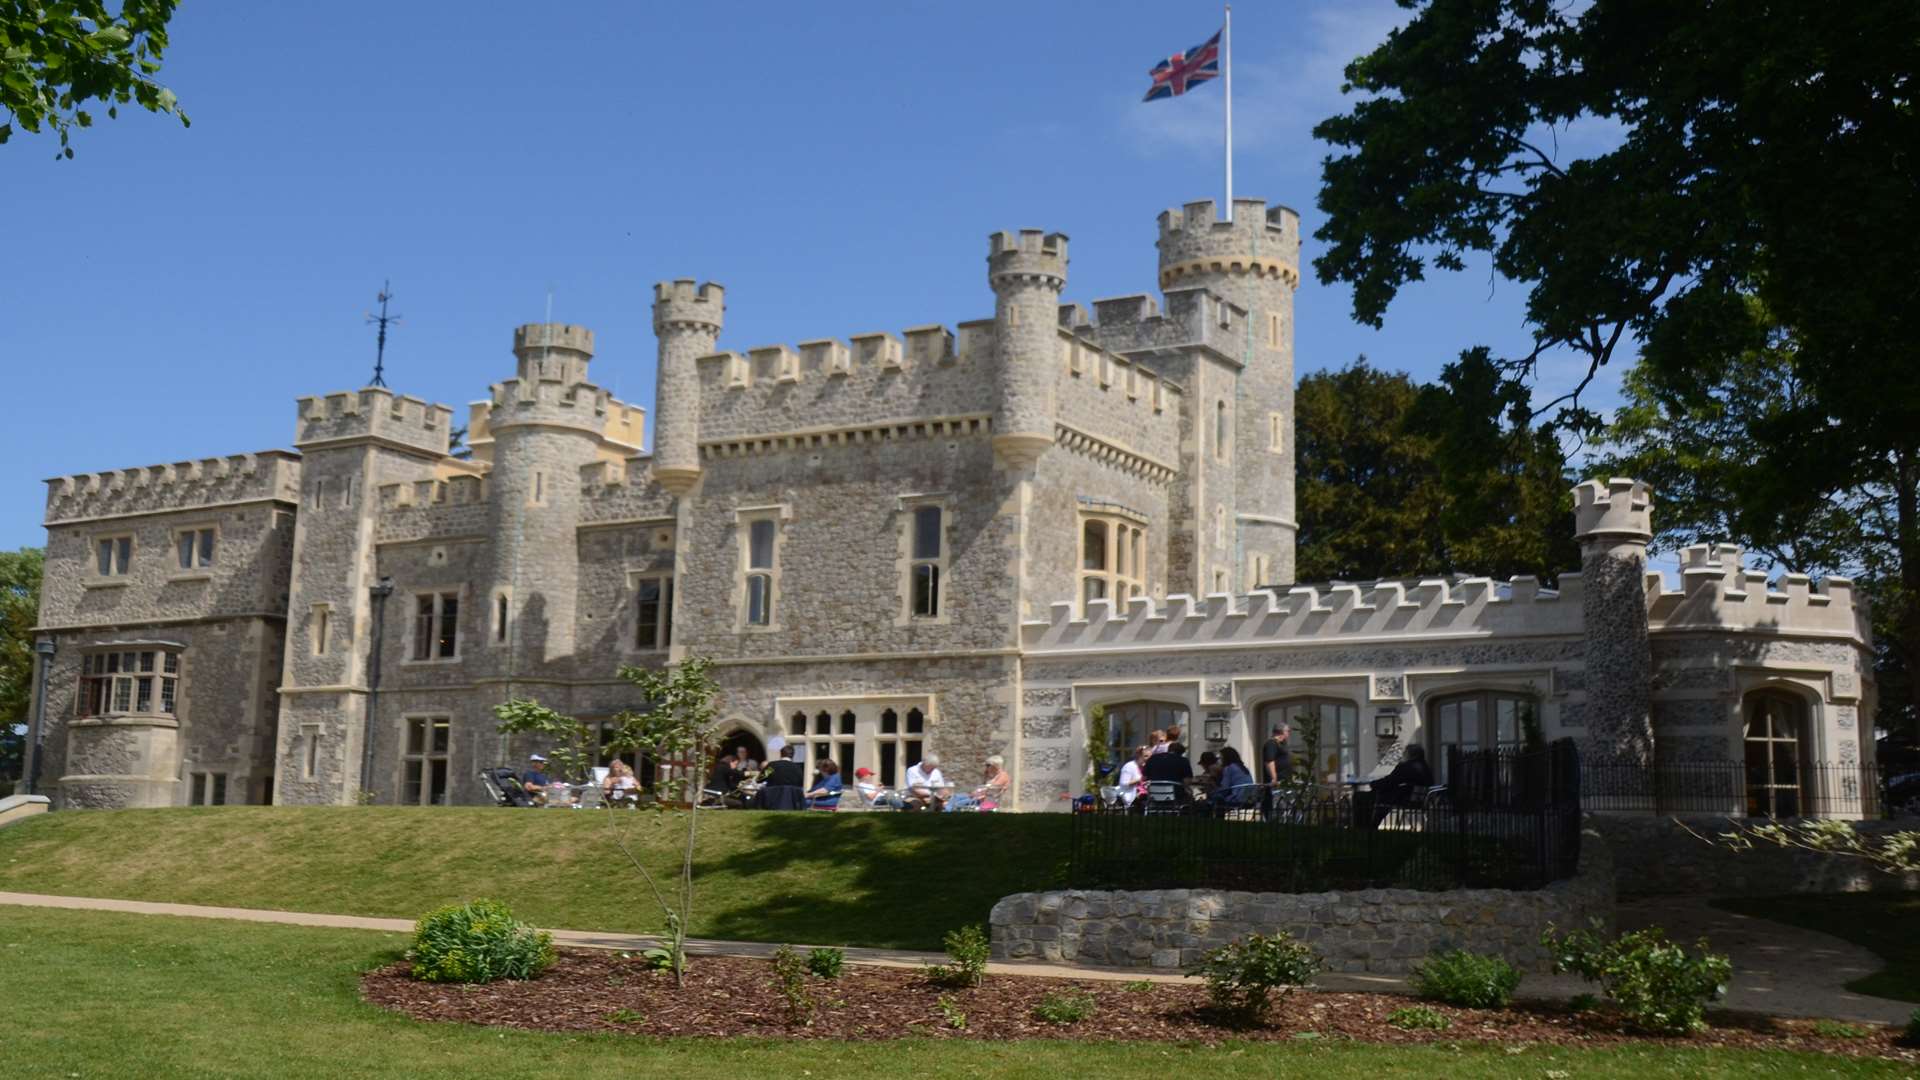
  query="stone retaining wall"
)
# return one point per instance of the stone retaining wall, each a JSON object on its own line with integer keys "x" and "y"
{"x": 1367, "y": 930}
{"x": 1656, "y": 856}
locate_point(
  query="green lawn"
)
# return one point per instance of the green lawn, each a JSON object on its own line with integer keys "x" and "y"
{"x": 1888, "y": 924}
{"x": 147, "y": 996}
{"x": 890, "y": 880}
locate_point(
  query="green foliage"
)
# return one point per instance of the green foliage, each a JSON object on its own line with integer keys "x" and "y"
{"x": 1470, "y": 980}
{"x": 1418, "y": 1018}
{"x": 826, "y": 963}
{"x": 1065, "y": 1007}
{"x": 476, "y": 943}
{"x": 1836, "y": 1029}
{"x": 1582, "y": 1003}
{"x": 1242, "y": 975}
{"x": 969, "y": 948}
{"x": 58, "y": 55}
{"x": 1097, "y": 750}
{"x": 1400, "y": 480}
{"x": 1137, "y": 986}
{"x": 568, "y": 742}
{"x": 950, "y": 1012}
{"x": 1912, "y": 1035}
{"x": 1655, "y": 983}
{"x": 20, "y": 573}
{"x": 790, "y": 976}
{"x": 1893, "y": 853}
{"x": 626, "y": 1016}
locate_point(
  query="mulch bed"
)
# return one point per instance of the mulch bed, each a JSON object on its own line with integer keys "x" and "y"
{"x": 728, "y": 997}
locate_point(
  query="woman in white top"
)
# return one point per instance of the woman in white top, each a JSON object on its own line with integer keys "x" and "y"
{"x": 1132, "y": 780}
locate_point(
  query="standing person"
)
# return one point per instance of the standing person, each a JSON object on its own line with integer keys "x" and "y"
{"x": 925, "y": 783}
{"x": 1173, "y": 734}
{"x": 1276, "y": 761}
{"x": 1156, "y": 741}
{"x": 1172, "y": 767}
{"x": 535, "y": 778}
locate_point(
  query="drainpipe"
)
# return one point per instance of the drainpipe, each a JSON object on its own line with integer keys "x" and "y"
{"x": 37, "y": 722}
{"x": 379, "y": 593}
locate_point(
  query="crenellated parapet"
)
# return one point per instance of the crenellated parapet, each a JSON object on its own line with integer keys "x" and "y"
{"x": 1116, "y": 408}
{"x": 1260, "y": 242}
{"x": 1194, "y": 318}
{"x": 377, "y": 414}
{"x": 1430, "y": 609}
{"x": 1620, "y": 510}
{"x": 1029, "y": 255}
{"x": 425, "y": 494}
{"x": 1718, "y": 591}
{"x": 551, "y": 403}
{"x": 184, "y": 485}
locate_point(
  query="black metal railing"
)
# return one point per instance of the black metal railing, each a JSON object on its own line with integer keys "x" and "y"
{"x": 1321, "y": 843}
{"x": 1732, "y": 788}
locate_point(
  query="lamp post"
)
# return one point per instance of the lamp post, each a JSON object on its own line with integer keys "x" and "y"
{"x": 379, "y": 592}
{"x": 37, "y": 723}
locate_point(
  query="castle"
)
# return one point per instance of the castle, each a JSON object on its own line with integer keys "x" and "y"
{"x": 957, "y": 539}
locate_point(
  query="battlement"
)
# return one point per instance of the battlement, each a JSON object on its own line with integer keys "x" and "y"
{"x": 1030, "y": 255}
{"x": 374, "y": 413}
{"x": 517, "y": 402}
{"x": 1619, "y": 510}
{"x": 681, "y": 303}
{"x": 1194, "y": 318}
{"x": 1433, "y": 608}
{"x": 551, "y": 336}
{"x": 424, "y": 494}
{"x": 1718, "y": 590}
{"x": 185, "y": 485}
{"x": 1118, "y": 403}
{"x": 1260, "y": 240}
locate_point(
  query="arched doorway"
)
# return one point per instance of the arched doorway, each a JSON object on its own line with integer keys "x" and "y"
{"x": 1128, "y": 723}
{"x": 1334, "y": 727}
{"x": 1776, "y": 721}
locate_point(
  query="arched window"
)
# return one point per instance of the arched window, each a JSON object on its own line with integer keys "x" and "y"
{"x": 1128, "y": 723}
{"x": 1326, "y": 728}
{"x": 1776, "y": 722}
{"x": 900, "y": 745}
{"x": 1481, "y": 720}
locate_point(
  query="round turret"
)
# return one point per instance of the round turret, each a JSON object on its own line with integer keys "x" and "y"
{"x": 553, "y": 352}
{"x": 1027, "y": 272}
{"x": 687, "y": 322}
{"x": 1260, "y": 242}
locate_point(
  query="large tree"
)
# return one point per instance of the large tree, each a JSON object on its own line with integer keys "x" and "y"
{"x": 1730, "y": 152}
{"x": 56, "y": 56}
{"x": 19, "y": 610}
{"x": 1399, "y": 479}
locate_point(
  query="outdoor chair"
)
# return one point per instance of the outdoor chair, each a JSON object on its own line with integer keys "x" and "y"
{"x": 1241, "y": 801}
{"x": 1163, "y": 797}
{"x": 504, "y": 786}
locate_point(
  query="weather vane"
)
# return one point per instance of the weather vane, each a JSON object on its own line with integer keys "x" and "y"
{"x": 380, "y": 353}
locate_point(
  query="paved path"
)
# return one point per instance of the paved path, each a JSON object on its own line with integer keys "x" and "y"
{"x": 1778, "y": 969}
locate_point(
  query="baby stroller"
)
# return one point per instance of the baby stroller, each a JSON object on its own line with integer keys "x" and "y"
{"x": 505, "y": 787}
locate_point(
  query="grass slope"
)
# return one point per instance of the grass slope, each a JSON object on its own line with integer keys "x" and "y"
{"x": 159, "y": 997}
{"x": 1887, "y": 924}
{"x": 889, "y": 880}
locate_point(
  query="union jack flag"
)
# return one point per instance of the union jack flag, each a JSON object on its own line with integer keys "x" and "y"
{"x": 1182, "y": 71}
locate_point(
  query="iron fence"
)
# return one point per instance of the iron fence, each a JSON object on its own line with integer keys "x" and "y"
{"x": 1732, "y": 788}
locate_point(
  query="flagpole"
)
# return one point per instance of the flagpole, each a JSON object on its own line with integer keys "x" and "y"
{"x": 1226, "y": 49}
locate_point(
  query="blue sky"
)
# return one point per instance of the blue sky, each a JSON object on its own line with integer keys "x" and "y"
{"x": 169, "y": 293}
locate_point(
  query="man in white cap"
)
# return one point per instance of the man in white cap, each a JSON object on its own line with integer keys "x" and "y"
{"x": 535, "y": 779}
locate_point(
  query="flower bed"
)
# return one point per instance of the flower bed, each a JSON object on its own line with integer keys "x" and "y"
{"x": 731, "y": 997}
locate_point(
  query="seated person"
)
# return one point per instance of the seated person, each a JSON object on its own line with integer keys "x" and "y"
{"x": 1170, "y": 766}
{"x": 993, "y": 786}
{"x": 1132, "y": 781}
{"x": 727, "y": 774}
{"x": 621, "y": 787}
{"x": 1404, "y": 785}
{"x": 1235, "y": 790}
{"x": 1208, "y": 777}
{"x": 926, "y": 786}
{"x": 827, "y": 785}
{"x": 872, "y": 793}
{"x": 536, "y": 780}
{"x": 785, "y": 785}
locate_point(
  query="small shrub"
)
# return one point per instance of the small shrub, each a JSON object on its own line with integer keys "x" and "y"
{"x": 1582, "y": 1003}
{"x": 626, "y": 1016}
{"x": 950, "y": 1012}
{"x": 658, "y": 959}
{"x": 1912, "y": 1037}
{"x": 1065, "y": 1007}
{"x": 1418, "y": 1018}
{"x": 476, "y": 943}
{"x": 1242, "y": 975}
{"x": 826, "y": 963}
{"x": 1655, "y": 983}
{"x": 1142, "y": 986}
{"x": 790, "y": 975}
{"x": 1469, "y": 980}
{"x": 1835, "y": 1029}
{"x": 969, "y": 949}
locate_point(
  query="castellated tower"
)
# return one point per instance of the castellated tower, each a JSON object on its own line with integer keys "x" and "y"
{"x": 687, "y": 321}
{"x": 1614, "y": 524}
{"x": 546, "y": 425}
{"x": 1252, "y": 262}
{"x": 1027, "y": 272}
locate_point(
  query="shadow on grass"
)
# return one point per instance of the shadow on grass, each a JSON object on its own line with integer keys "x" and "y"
{"x": 898, "y": 880}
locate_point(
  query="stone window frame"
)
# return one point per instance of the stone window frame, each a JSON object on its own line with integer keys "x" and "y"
{"x": 208, "y": 788}
{"x": 440, "y": 594}
{"x": 120, "y": 570}
{"x": 1807, "y": 742}
{"x": 107, "y": 664}
{"x": 539, "y": 491}
{"x": 907, "y": 510}
{"x": 310, "y": 734}
{"x": 206, "y": 555}
{"x": 430, "y": 750}
{"x": 1175, "y": 693}
{"x": 869, "y": 737}
{"x": 1122, "y": 575}
{"x": 319, "y": 629}
{"x": 317, "y": 494}
{"x": 1486, "y": 694}
{"x": 500, "y": 618}
{"x": 1222, "y": 431}
{"x": 744, "y": 519}
{"x": 663, "y": 617}
{"x": 1316, "y": 700}
{"x": 1273, "y": 329}
{"x": 1276, "y": 432}
{"x": 1259, "y": 569}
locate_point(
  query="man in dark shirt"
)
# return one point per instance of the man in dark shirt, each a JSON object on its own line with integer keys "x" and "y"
{"x": 1276, "y": 761}
{"x": 786, "y": 784}
{"x": 1171, "y": 766}
{"x": 535, "y": 779}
